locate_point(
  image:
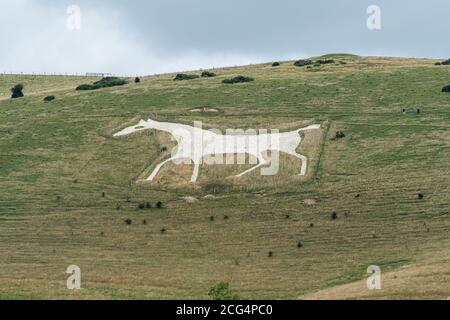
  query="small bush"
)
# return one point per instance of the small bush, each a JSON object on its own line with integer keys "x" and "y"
{"x": 183, "y": 76}
{"x": 208, "y": 74}
{"x": 270, "y": 254}
{"x": 128, "y": 221}
{"x": 144, "y": 221}
{"x": 311, "y": 225}
{"x": 437, "y": 64}
{"x": 143, "y": 205}
{"x": 159, "y": 205}
{"x": 325, "y": 61}
{"x": 446, "y": 62}
{"x": 446, "y": 89}
{"x": 211, "y": 218}
{"x": 163, "y": 230}
{"x": 137, "y": 80}
{"x": 339, "y": 135}
{"x": 300, "y": 244}
{"x": 302, "y": 62}
{"x": 83, "y": 87}
{"x": 103, "y": 83}
{"x": 17, "y": 91}
{"x": 225, "y": 217}
{"x": 334, "y": 216}
{"x": 221, "y": 291}
{"x": 238, "y": 79}
{"x": 420, "y": 196}
{"x": 49, "y": 98}
{"x": 276, "y": 64}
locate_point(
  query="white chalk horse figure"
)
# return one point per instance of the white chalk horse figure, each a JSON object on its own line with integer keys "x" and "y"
{"x": 195, "y": 143}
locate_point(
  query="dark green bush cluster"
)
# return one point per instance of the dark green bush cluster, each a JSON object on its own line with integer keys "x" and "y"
{"x": 49, "y": 98}
{"x": 276, "y": 64}
{"x": 302, "y": 62}
{"x": 324, "y": 61}
{"x": 208, "y": 74}
{"x": 148, "y": 205}
{"x": 143, "y": 205}
{"x": 444, "y": 63}
{"x": 137, "y": 80}
{"x": 238, "y": 79}
{"x": 446, "y": 89}
{"x": 103, "y": 83}
{"x": 339, "y": 135}
{"x": 183, "y": 76}
{"x": 16, "y": 91}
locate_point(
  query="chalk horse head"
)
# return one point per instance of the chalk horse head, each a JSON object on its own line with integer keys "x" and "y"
{"x": 142, "y": 125}
{"x": 183, "y": 134}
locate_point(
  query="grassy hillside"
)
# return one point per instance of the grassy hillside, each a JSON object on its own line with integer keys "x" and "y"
{"x": 67, "y": 185}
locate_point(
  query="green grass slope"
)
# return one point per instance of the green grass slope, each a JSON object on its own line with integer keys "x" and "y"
{"x": 67, "y": 185}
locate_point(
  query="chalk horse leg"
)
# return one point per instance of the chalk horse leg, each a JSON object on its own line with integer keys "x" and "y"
{"x": 195, "y": 172}
{"x": 157, "y": 168}
{"x": 262, "y": 162}
{"x": 304, "y": 162}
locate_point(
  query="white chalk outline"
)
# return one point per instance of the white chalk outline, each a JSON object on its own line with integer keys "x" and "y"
{"x": 194, "y": 143}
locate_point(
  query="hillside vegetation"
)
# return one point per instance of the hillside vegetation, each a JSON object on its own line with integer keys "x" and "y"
{"x": 70, "y": 193}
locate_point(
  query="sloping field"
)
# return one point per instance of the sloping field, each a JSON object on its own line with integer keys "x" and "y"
{"x": 67, "y": 186}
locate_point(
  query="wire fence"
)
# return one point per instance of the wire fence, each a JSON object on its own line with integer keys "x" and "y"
{"x": 107, "y": 74}
{"x": 55, "y": 74}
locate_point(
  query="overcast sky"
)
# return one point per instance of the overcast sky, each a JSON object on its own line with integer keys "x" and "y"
{"x": 153, "y": 36}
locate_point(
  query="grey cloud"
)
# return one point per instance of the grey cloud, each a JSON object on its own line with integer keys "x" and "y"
{"x": 145, "y": 37}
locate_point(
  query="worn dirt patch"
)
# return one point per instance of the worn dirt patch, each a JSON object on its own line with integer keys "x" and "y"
{"x": 204, "y": 110}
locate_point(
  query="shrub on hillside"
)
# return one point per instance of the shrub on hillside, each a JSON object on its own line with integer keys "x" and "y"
{"x": 325, "y": 61}
{"x": 276, "y": 64}
{"x": 302, "y": 62}
{"x": 446, "y": 89}
{"x": 444, "y": 63}
{"x": 339, "y": 135}
{"x": 103, "y": 83}
{"x": 137, "y": 80}
{"x": 16, "y": 91}
{"x": 208, "y": 74}
{"x": 238, "y": 79}
{"x": 221, "y": 291}
{"x": 82, "y": 87}
{"x": 49, "y": 98}
{"x": 183, "y": 76}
